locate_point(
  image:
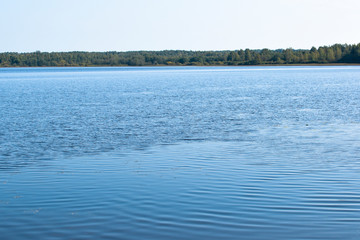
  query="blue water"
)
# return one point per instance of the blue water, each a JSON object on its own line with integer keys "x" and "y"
{"x": 180, "y": 153}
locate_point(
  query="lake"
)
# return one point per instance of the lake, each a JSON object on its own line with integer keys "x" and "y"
{"x": 180, "y": 153}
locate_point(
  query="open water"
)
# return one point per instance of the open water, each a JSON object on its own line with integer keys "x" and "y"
{"x": 180, "y": 153}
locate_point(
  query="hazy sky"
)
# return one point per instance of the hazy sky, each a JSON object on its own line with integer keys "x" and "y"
{"x": 123, "y": 25}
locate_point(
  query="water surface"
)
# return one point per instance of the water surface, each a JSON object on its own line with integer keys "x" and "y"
{"x": 180, "y": 153}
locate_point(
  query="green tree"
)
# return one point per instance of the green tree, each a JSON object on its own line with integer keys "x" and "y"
{"x": 248, "y": 56}
{"x": 233, "y": 56}
{"x": 322, "y": 54}
{"x": 330, "y": 55}
{"x": 289, "y": 55}
{"x": 314, "y": 55}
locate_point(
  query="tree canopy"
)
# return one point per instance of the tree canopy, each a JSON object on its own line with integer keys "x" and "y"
{"x": 338, "y": 53}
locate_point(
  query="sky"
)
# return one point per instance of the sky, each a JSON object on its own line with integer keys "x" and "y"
{"x": 130, "y": 25}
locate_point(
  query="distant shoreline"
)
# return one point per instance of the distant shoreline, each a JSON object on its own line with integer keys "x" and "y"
{"x": 338, "y": 54}
{"x": 259, "y": 65}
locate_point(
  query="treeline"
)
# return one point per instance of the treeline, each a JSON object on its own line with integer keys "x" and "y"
{"x": 338, "y": 53}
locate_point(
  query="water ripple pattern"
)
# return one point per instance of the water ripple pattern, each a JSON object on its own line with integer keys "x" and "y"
{"x": 180, "y": 153}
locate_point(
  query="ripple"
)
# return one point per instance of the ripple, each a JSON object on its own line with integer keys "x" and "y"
{"x": 203, "y": 153}
{"x": 190, "y": 190}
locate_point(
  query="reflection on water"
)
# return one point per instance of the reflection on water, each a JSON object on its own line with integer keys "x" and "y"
{"x": 180, "y": 153}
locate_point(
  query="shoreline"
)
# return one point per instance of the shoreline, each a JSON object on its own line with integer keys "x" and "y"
{"x": 258, "y": 65}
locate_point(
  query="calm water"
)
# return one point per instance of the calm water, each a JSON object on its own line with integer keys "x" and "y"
{"x": 180, "y": 153}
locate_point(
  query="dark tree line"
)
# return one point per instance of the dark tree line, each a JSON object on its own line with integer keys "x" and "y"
{"x": 338, "y": 53}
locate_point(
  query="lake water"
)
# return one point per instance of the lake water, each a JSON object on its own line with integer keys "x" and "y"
{"x": 180, "y": 153}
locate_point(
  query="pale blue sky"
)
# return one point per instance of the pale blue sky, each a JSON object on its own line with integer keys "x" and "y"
{"x": 123, "y": 25}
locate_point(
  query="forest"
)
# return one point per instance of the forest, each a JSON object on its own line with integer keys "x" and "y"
{"x": 335, "y": 54}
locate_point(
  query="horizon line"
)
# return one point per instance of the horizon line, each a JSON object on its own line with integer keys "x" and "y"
{"x": 184, "y": 50}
